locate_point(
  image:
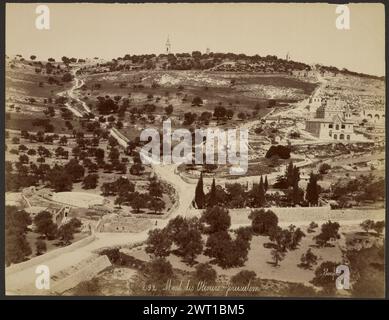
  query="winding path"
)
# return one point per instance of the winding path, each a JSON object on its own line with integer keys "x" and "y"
{"x": 22, "y": 280}
{"x": 185, "y": 191}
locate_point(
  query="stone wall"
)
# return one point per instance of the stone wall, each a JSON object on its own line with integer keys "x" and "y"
{"x": 48, "y": 256}
{"x": 123, "y": 225}
{"x": 85, "y": 273}
{"x": 305, "y": 214}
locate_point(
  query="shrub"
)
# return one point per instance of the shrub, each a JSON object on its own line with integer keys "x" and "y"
{"x": 243, "y": 277}
{"x": 282, "y": 152}
{"x": 159, "y": 271}
{"x": 263, "y": 222}
{"x": 40, "y": 247}
{"x": 204, "y": 272}
{"x": 324, "y": 168}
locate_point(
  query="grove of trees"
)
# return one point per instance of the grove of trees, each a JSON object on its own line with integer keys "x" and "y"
{"x": 17, "y": 248}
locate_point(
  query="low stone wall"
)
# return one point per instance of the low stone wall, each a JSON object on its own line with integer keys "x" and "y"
{"x": 284, "y": 210}
{"x": 48, "y": 256}
{"x": 123, "y": 225}
{"x": 186, "y": 178}
{"x": 120, "y": 138}
{"x": 25, "y": 201}
{"x": 84, "y": 274}
{"x": 305, "y": 214}
{"x": 99, "y": 225}
{"x": 126, "y": 246}
{"x": 277, "y": 210}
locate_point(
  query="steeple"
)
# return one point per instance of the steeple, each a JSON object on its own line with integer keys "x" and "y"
{"x": 168, "y": 45}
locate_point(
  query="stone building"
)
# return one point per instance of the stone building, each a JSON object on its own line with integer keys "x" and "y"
{"x": 331, "y": 122}
{"x": 373, "y": 116}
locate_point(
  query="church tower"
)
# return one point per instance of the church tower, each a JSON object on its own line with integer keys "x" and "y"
{"x": 168, "y": 46}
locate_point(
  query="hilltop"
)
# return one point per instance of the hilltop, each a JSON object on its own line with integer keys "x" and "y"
{"x": 219, "y": 62}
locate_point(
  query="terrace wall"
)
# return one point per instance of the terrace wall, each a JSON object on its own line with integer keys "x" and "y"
{"x": 48, "y": 256}
{"x": 85, "y": 273}
{"x": 305, "y": 215}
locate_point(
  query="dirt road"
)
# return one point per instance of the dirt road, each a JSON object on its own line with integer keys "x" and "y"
{"x": 23, "y": 281}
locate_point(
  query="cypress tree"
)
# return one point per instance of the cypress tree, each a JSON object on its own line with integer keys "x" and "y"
{"x": 261, "y": 193}
{"x": 199, "y": 194}
{"x": 289, "y": 174}
{"x": 312, "y": 193}
{"x": 212, "y": 200}
{"x": 296, "y": 176}
{"x": 266, "y": 184}
{"x": 296, "y": 195}
{"x": 296, "y": 190}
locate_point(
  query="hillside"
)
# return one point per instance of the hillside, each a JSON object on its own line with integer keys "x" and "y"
{"x": 230, "y": 62}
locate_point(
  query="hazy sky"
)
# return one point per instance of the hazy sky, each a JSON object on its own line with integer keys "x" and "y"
{"x": 306, "y": 31}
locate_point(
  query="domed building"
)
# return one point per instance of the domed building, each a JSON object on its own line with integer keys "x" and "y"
{"x": 332, "y": 122}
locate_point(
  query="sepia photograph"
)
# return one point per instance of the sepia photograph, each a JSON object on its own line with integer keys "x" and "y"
{"x": 195, "y": 150}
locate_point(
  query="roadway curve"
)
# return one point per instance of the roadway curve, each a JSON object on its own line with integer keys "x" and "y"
{"x": 185, "y": 191}
{"x": 23, "y": 280}
{"x": 78, "y": 83}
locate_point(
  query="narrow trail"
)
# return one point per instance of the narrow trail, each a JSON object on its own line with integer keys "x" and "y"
{"x": 23, "y": 281}
{"x": 167, "y": 173}
{"x": 78, "y": 83}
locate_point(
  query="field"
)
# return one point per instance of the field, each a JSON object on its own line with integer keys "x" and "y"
{"x": 79, "y": 199}
{"x": 23, "y": 81}
{"x": 32, "y": 237}
{"x": 130, "y": 101}
{"x": 259, "y": 261}
{"x": 24, "y": 121}
{"x": 178, "y": 88}
{"x": 272, "y": 281}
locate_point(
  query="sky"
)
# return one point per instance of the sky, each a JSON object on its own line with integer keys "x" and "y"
{"x": 306, "y": 31}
